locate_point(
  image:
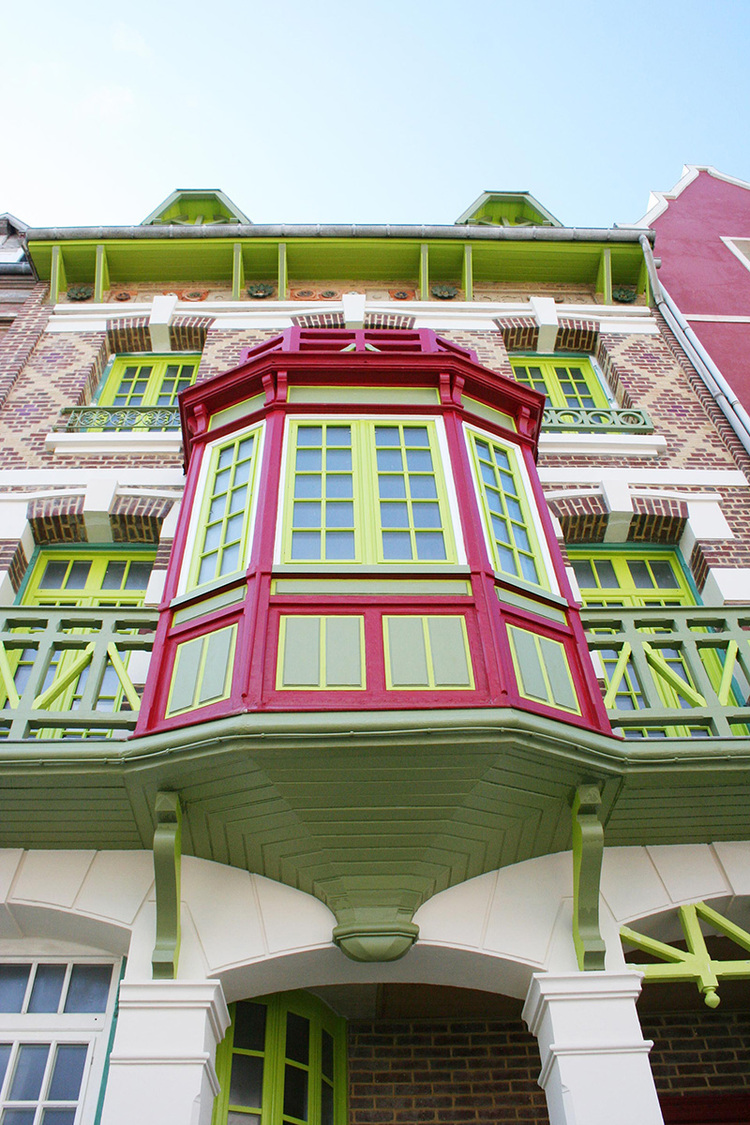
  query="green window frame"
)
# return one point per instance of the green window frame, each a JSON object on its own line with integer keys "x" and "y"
{"x": 87, "y": 578}
{"x": 570, "y": 382}
{"x": 366, "y": 491}
{"x": 282, "y": 1062}
{"x": 630, "y": 578}
{"x": 147, "y": 379}
{"x": 226, "y": 510}
{"x": 512, "y": 537}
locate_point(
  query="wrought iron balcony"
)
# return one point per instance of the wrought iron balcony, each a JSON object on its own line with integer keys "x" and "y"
{"x": 72, "y": 673}
{"x": 596, "y": 420}
{"x": 140, "y": 419}
{"x": 680, "y": 671}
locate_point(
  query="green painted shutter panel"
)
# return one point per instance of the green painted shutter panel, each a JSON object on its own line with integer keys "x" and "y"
{"x": 558, "y": 672}
{"x": 218, "y": 648}
{"x": 407, "y": 652}
{"x": 301, "y": 666}
{"x": 343, "y": 649}
{"x": 448, "y": 649}
{"x": 529, "y": 667}
{"x": 202, "y": 671}
{"x": 185, "y": 675}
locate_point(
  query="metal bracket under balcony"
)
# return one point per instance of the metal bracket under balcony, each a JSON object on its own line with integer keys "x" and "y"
{"x": 677, "y": 672}
{"x": 140, "y": 419}
{"x": 596, "y": 420}
{"x": 72, "y": 673}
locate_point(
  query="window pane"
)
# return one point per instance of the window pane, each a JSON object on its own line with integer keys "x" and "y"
{"x": 54, "y": 575}
{"x": 89, "y": 988}
{"x": 79, "y": 572}
{"x": 235, "y": 1118}
{"x": 58, "y": 1117}
{"x": 13, "y": 981}
{"x": 295, "y": 1093}
{"x": 114, "y": 575}
{"x": 326, "y": 1104}
{"x": 641, "y": 576}
{"x": 297, "y": 1038}
{"x": 664, "y": 575}
{"x": 327, "y": 1055}
{"x": 250, "y": 1026}
{"x": 246, "y": 1084}
{"x": 27, "y": 1078}
{"x": 5, "y": 1049}
{"x": 48, "y": 982}
{"x": 18, "y": 1117}
{"x": 68, "y": 1072}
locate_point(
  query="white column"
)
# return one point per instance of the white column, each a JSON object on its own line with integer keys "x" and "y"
{"x": 594, "y": 1058}
{"x": 161, "y": 1070}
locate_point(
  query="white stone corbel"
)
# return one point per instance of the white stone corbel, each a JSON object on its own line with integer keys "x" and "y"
{"x": 617, "y": 497}
{"x": 544, "y": 311}
{"x": 162, "y": 315}
{"x": 97, "y": 504}
{"x": 354, "y": 309}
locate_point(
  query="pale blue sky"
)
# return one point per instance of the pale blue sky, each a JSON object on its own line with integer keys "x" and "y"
{"x": 388, "y": 112}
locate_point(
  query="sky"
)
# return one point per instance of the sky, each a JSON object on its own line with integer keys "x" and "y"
{"x": 398, "y": 111}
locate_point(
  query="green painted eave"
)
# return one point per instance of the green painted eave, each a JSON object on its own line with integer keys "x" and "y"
{"x": 178, "y": 253}
{"x": 373, "y": 814}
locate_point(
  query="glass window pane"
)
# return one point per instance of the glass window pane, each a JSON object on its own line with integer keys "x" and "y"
{"x": 295, "y": 1093}
{"x": 68, "y": 1072}
{"x": 396, "y": 545}
{"x": 423, "y": 488}
{"x": 138, "y": 575}
{"x": 430, "y": 545}
{"x": 27, "y": 1077}
{"x": 641, "y": 575}
{"x": 13, "y": 981}
{"x": 250, "y": 1026}
{"x": 326, "y": 1104}
{"x": 419, "y": 460}
{"x": 393, "y": 488}
{"x": 246, "y": 1083}
{"x": 327, "y": 1055}
{"x": 297, "y": 1038}
{"x": 339, "y": 545}
{"x": 664, "y": 575}
{"x": 54, "y": 575}
{"x": 235, "y": 1118}
{"x": 18, "y": 1117}
{"x": 45, "y": 994}
{"x": 89, "y": 988}
{"x": 113, "y": 575}
{"x": 58, "y": 1117}
{"x": 309, "y": 435}
{"x": 79, "y": 572}
{"x": 607, "y": 575}
{"x": 5, "y": 1049}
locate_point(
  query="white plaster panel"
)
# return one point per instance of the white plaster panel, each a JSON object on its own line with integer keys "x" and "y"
{"x": 13, "y": 518}
{"x": 291, "y": 918}
{"x": 116, "y": 885}
{"x": 630, "y": 883}
{"x": 224, "y": 910}
{"x": 688, "y": 871}
{"x": 726, "y": 584}
{"x": 734, "y": 857}
{"x": 458, "y": 915}
{"x": 525, "y": 906}
{"x": 52, "y": 877}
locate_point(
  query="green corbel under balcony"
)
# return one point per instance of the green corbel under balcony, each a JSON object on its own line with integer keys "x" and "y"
{"x": 588, "y": 852}
{"x": 167, "y": 865}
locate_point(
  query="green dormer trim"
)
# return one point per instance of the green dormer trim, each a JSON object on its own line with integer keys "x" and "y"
{"x": 508, "y": 209}
{"x": 196, "y": 207}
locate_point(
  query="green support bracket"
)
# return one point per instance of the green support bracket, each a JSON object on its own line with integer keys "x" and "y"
{"x": 238, "y": 272}
{"x": 588, "y": 852}
{"x": 604, "y": 278}
{"x": 283, "y": 274}
{"x": 58, "y": 280}
{"x": 424, "y": 272}
{"x": 101, "y": 276}
{"x": 696, "y": 964}
{"x": 167, "y": 861}
{"x": 468, "y": 272}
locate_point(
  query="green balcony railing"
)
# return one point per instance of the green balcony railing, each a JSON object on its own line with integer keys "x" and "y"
{"x": 680, "y": 671}
{"x": 596, "y": 420}
{"x": 72, "y": 673}
{"x": 79, "y": 419}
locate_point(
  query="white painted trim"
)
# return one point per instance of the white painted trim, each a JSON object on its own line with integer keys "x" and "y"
{"x": 87, "y": 444}
{"x": 705, "y": 318}
{"x": 730, "y": 478}
{"x": 602, "y": 445}
{"x": 81, "y": 477}
{"x": 658, "y": 201}
{"x": 729, "y": 241}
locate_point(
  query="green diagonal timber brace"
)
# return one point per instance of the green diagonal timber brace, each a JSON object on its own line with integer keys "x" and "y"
{"x": 588, "y": 851}
{"x": 167, "y": 861}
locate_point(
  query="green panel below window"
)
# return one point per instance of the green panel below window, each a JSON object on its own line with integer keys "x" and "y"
{"x": 321, "y": 652}
{"x": 427, "y": 652}
{"x": 202, "y": 671}
{"x": 414, "y": 396}
{"x": 542, "y": 670}
{"x": 407, "y": 652}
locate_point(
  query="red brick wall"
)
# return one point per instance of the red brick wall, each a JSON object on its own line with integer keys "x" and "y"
{"x": 443, "y": 1071}
{"x": 697, "y": 1053}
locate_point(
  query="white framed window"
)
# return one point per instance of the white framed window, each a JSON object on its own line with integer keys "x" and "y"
{"x": 55, "y": 1014}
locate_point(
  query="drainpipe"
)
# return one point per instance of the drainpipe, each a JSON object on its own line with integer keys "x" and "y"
{"x": 722, "y": 393}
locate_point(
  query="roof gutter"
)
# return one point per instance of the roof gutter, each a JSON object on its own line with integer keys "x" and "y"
{"x": 721, "y": 391}
{"x": 354, "y": 230}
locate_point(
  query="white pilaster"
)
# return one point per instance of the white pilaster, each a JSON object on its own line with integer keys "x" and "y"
{"x": 161, "y": 1070}
{"x": 594, "y": 1058}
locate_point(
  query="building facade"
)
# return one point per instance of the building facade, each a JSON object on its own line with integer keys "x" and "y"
{"x": 375, "y": 673}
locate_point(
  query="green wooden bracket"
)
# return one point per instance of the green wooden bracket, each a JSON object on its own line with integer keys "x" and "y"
{"x": 7, "y": 678}
{"x": 588, "y": 852}
{"x": 283, "y": 274}
{"x": 695, "y": 963}
{"x": 122, "y": 674}
{"x": 57, "y": 279}
{"x": 238, "y": 271}
{"x": 167, "y": 862}
{"x": 60, "y": 683}
{"x": 730, "y": 660}
{"x": 101, "y": 276}
{"x": 617, "y": 674}
{"x": 468, "y": 271}
{"x": 424, "y": 272}
{"x": 604, "y": 277}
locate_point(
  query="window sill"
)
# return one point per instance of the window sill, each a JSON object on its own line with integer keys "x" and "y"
{"x": 109, "y": 442}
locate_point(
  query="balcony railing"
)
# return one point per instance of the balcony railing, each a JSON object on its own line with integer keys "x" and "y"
{"x": 673, "y": 672}
{"x": 601, "y": 420}
{"x": 130, "y": 418}
{"x": 72, "y": 673}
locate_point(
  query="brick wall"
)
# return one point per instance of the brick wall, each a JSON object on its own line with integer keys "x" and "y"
{"x": 430, "y": 1071}
{"x": 696, "y": 1052}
